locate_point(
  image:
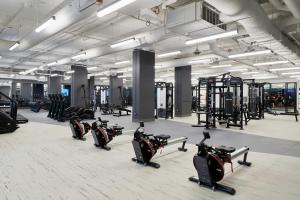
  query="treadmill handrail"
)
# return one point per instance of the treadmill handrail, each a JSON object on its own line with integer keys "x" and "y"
{"x": 13, "y": 106}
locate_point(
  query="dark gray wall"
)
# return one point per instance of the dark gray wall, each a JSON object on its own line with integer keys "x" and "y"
{"x": 5, "y": 90}
{"x": 114, "y": 95}
{"x": 91, "y": 83}
{"x": 26, "y": 90}
{"x": 54, "y": 84}
{"x": 183, "y": 91}
{"x": 13, "y": 88}
{"x": 79, "y": 78}
{"x": 143, "y": 85}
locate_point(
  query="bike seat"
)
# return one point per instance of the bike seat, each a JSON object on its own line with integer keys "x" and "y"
{"x": 163, "y": 137}
{"x": 225, "y": 149}
{"x": 104, "y": 121}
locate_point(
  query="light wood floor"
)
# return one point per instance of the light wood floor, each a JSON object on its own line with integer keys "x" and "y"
{"x": 281, "y": 127}
{"x": 43, "y": 162}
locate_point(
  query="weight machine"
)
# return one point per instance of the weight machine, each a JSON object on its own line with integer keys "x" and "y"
{"x": 223, "y": 102}
{"x": 102, "y": 95}
{"x": 164, "y": 97}
{"x": 195, "y": 97}
{"x": 254, "y": 99}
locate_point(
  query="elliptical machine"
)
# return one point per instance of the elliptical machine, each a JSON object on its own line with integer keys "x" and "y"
{"x": 103, "y": 134}
{"x": 146, "y": 145}
{"x": 79, "y": 129}
{"x": 209, "y": 163}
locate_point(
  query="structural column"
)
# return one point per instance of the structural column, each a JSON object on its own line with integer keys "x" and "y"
{"x": 91, "y": 84}
{"x": 115, "y": 87}
{"x": 79, "y": 88}
{"x": 183, "y": 91}
{"x": 54, "y": 85}
{"x": 13, "y": 89}
{"x": 143, "y": 85}
{"x": 26, "y": 91}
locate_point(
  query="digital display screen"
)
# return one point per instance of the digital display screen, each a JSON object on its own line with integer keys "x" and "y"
{"x": 65, "y": 92}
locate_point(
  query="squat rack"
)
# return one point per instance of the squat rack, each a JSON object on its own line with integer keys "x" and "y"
{"x": 224, "y": 101}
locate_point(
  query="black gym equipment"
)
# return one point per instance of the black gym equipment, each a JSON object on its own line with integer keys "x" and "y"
{"x": 78, "y": 128}
{"x": 164, "y": 96}
{"x": 224, "y": 101}
{"x": 195, "y": 98}
{"x": 209, "y": 163}
{"x": 9, "y": 106}
{"x": 281, "y": 99}
{"x": 8, "y": 122}
{"x": 60, "y": 112}
{"x": 146, "y": 145}
{"x": 254, "y": 100}
{"x": 103, "y": 134}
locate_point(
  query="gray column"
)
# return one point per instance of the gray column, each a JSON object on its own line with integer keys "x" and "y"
{"x": 13, "y": 89}
{"x": 91, "y": 83}
{"x": 143, "y": 76}
{"x": 54, "y": 85}
{"x": 183, "y": 91}
{"x": 79, "y": 88}
{"x": 26, "y": 90}
{"x": 114, "y": 90}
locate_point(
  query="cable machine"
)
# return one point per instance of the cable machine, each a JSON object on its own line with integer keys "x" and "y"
{"x": 195, "y": 94}
{"x": 254, "y": 99}
{"x": 102, "y": 95}
{"x": 223, "y": 101}
{"x": 164, "y": 98}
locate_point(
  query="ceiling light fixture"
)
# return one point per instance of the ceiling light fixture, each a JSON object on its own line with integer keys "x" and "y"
{"x": 212, "y": 37}
{"x": 45, "y": 25}
{"x": 79, "y": 56}
{"x": 114, "y": 7}
{"x": 52, "y": 64}
{"x": 123, "y": 43}
{"x": 14, "y": 46}
{"x": 91, "y": 68}
{"x": 53, "y": 75}
{"x": 253, "y": 53}
{"x": 164, "y": 55}
{"x": 203, "y": 61}
{"x": 122, "y": 62}
{"x": 70, "y": 72}
{"x": 284, "y": 69}
{"x": 296, "y": 76}
{"x": 271, "y": 63}
{"x": 220, "y": 66}
{"x": 290, "y": 73}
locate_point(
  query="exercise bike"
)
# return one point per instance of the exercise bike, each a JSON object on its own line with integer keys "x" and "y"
{"x": 209, "y": 163}
{"x": 146, "y": 145}
{"x": 103, "y": 134}
{"x": 79, "y": 129}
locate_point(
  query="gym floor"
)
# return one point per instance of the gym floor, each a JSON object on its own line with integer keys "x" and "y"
{"x": 42, "y": 161}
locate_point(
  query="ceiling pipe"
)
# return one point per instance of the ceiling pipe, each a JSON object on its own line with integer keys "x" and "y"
{"x": 294, "y": 6}
{"x": 65, "y": 17}
{"x": 253, "y": 18}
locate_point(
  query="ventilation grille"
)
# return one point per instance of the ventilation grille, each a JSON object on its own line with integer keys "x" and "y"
{"x": 211, "y": 16}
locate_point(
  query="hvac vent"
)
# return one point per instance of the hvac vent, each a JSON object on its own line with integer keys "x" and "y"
{"x": 211, "y": 16}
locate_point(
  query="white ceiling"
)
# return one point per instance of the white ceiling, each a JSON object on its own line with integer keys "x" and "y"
{"x": 19, "y": 18}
